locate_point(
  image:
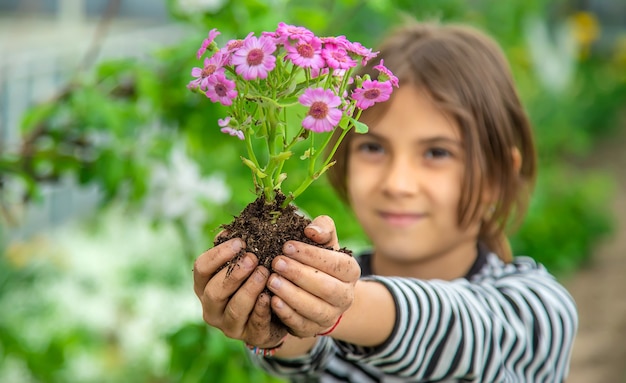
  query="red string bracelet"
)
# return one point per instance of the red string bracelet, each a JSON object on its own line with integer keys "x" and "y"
{"x": 332, "y": 328}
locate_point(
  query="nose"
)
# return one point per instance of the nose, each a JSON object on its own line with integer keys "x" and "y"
{"x": 401, "y": 178}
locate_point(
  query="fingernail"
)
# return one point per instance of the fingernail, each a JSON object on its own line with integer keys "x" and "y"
{"x": 236, "y": 245}
{"x": 289, "y": 248}
{"x": 280, "y": 265}
{"x": 279, "y": 303}
{"x": 275, "y": 282}
{"x": 315, "y": 228}
{"x": 247, "y": 262}
{"x": 259, "y": 277}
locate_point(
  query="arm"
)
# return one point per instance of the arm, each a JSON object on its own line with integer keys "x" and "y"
{"x": 369, "y": 321}
{"x": 518, "y": 327}
{"x": 517, "y": 323}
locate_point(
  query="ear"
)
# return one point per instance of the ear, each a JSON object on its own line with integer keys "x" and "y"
{"x": 517, "y": 159}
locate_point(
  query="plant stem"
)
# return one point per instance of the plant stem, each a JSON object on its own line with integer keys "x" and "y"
{"x": 332, "y": 152}
{"x": 304, "y": 185}
{"x": 312, "y": 174}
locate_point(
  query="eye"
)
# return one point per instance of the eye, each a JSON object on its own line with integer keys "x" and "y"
{"x": 437, "y": 153}
{"x": 369, "y": 147}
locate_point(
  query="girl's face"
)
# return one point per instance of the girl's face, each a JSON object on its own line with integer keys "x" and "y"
{"x": 404, "y": 184}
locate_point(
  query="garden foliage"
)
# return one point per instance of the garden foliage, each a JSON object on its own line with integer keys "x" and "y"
{"x": 132, "y": 128}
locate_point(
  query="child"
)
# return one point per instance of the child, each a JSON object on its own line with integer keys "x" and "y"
{"x": 447, "y": 163}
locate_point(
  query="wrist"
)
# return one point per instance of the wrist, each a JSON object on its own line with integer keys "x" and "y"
{"x": 332, "y": 328}
{"x": 265, "y": 351}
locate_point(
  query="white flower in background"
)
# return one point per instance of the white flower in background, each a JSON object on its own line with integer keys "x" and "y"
{"x": 553, "y": 57}
{"x": 177, "y": 191}
{"x": 127, "y": 281}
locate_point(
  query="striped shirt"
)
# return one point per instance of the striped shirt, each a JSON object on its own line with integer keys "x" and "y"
{"x": 503, "y": 322}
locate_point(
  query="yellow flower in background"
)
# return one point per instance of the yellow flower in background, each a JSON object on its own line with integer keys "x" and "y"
{"x": 586, "y": 30}
{"x": 21, "y": 254}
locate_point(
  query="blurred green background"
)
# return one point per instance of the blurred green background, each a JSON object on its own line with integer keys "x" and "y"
{"x": 114, "y": 177}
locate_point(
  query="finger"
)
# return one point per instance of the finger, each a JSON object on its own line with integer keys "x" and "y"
{"x": 211, "y": 260}
{"x": 223, "y": 285}
{"x": 296, "y": 324}
{"x": 322, "y": 231}
{"x": 338, "y": 264}
{"x": 241, "y": 304}
{"x": 260, "y": 329}
{"x": 298, "y": 321}
{"x": 261, "y": 314}
{"x": 307, "y": 305}
{"x": 307, "y": 278}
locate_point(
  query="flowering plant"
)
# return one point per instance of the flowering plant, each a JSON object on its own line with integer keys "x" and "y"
{"x": 287, "y": 74}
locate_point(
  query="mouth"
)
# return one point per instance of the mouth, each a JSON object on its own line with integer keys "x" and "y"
{"x": 401, "y": 219}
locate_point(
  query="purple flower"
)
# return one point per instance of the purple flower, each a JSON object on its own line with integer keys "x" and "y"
{"x": 306, "y": 53}
{"x": 254, "y": 59}
{"x": 385, "y": 74}
{"x": 214, "y": 64}
{"x": 371, "y": 92}
{"x": 286, "y": 32}
{"x": 316, "y": 72}
{"x": 233, "y": 132}
{"x": 193, "y": 85}
{"x": 337, "y": 58}
{"x": 233, "y": 45}
{"x": 220, "y": 89}
{"x": 224, "y": 122}
{"x": 228, "y": 129}
{"x": 358, "y": 49}
{"x": 335, "y": 42}
{"x": 323, "y": 115}
{"x": 213, "y": 33}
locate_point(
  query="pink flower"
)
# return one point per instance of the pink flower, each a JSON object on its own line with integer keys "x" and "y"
{"x": 337, "y": 58}
{"x": 335, "y": 42}
{"x": 316, "y": 72}
{"x": 220, "y": 89}
{"x": 371, "y": 92}
{"x": 286, "y": 32}
{"x": 358, "y": 49}
{"x": 193, "y": 85}
{"x": 213, "y": 33}
{"x": 233, "y": 45}
{"x": 224, "y": 122}
{"x": 214, "y": 64}
{"x": 323, "y": 113}
{"x": 254, "y": 59}
{"x": 385, "y": 74}
{"x": 278, "y": 40}
{"x": 306, "y": 53}
{"x": 233, "y": 132}
{"x": 226, "y": 128}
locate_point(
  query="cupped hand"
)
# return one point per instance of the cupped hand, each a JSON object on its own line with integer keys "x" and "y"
{"x": 313, "y": 286}
{"x": 232, "y": 297}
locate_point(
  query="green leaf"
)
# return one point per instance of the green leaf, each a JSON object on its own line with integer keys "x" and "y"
{"x": 253, "y": 167}
{"x": 360, "y": 127}
{"x": 37, "y": 115}
{"x": 282, "y": 156}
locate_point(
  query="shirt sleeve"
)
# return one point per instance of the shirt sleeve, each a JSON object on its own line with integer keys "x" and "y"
{"x": 301, "y": 368}
{"x": 516, "y": 327}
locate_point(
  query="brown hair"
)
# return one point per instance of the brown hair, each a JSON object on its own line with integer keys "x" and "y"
{"x": 467, "y": 75}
